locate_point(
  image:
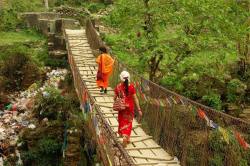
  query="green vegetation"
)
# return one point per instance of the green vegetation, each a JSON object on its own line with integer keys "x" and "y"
{"x": 23, "y": 55}
{"x": 223, "y": 153}
{"x": 23, "y": 52}
{"x": 187, "y": 136}
{"x": 43, "y": 145}
{"x": 91, "y": 6}
{"x": 195, "y": 48}
{"x": 199, "y": 49}
{"x": 47, "y": 140}
{"x": 9, "y": 15}
{"x": 19, "y": 67}
{"x": 46, "y": 152}
{"x": 54, "y": 106}
{"x": 23, "y": 36}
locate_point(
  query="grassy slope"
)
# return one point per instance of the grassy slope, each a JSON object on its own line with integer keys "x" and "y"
{"x": 9, "y": 38}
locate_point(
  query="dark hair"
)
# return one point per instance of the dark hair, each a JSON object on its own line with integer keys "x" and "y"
{"x": 103, "y": 49}
{"x": 126, "y": 86}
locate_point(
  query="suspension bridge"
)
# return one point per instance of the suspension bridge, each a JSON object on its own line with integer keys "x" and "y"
{"x": 142, "y": 150}
{"x": 177, "y": 125}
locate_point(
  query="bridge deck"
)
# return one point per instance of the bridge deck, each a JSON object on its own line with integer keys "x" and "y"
{"x": 143, "y": 149}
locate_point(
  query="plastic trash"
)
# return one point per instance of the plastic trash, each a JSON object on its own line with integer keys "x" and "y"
{"x": 9, "y": 107}
{"x": 19, "y": 161}
{"x": 1, "y": 161}
{"x": 31, "y": 126}
{"x": 25, "y": 123}
{"x": 45, "y": 94}
{"x": 14, "y": 107}
{"x": 45, "y": 120}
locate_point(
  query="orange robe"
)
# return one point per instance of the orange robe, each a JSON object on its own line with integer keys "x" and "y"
{"x": 105, "y": 65}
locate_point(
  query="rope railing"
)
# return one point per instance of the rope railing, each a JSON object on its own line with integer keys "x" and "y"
{"x": 111, "y": 150}
{"x": 182, "y": 126}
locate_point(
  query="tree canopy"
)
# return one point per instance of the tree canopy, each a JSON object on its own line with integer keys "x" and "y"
{"x": 193, "y": 47}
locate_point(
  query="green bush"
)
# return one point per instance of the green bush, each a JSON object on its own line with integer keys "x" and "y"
{"x": 216, "y": 161}
{"x": 53, "y": 106}
{"x": 95, "y": 7}
{"x": 47, "y": 151}
{"x": 69, "y": 2}
{"x": 49, "y": 146}
{"x": 55, "y": 62}
{"x": 222, "y": 153}
{"x": 29, "y": 156}
{"x": 59, "y": 2}
{"x": 19, "y": 68}
{"x": 218, "y": 148}
{"x": 212, "y": 100}
{"x": 9, "y": 20}
{"x": 235, "y": 91}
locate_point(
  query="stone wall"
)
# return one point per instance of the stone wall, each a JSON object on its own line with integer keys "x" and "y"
{"x": 51, "y": 25}
{"x": 48, "y": 22}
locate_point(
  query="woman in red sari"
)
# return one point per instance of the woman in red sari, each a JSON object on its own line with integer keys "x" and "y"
{"x": 125, "y": 117}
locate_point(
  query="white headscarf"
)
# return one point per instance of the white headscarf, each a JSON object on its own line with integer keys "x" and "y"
{"x": 124, "y": 75}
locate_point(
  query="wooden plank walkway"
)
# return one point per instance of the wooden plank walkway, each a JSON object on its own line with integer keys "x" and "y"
{"x": 143, "y": 149}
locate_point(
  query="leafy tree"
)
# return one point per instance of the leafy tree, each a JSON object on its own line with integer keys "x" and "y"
{"x": 188, "y": 45}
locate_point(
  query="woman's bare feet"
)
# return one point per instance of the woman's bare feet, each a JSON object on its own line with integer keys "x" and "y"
{"x": 126, "y": 141}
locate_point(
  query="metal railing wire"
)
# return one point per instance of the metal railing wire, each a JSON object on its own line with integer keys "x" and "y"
{"x": 111, "y": 150}
{"x": 197, "y": 134}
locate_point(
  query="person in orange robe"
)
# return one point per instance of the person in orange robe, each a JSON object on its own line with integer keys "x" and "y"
{"x": 105, "y": 67}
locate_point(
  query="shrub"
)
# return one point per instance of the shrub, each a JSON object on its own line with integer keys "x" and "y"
{"x": 218, "y": 147}
{"x": 212, "y": 100}
{"x": 29, "y": 156}
{"x": 53, "y": 62}
{"x": 53, "y": 106}
{"x": 49, "y": 146}
{"x": 95, "y": 7}
{"x": 235, "y": 90}
{"x": 47, "y": 151}
{"x": 19, "y": 69}
{"x": 9, "y": 20}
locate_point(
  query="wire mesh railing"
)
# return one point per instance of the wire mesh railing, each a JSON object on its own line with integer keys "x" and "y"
{"x": 110, "y": 149}
{"x": 195, "y": 133}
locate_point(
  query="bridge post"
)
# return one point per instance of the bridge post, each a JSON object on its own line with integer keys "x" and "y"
{"x": 46, "y": 3}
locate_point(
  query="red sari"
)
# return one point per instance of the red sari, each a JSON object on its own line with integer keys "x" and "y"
{"x": 125, "y": 117}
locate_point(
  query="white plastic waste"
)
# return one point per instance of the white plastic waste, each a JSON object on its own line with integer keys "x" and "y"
{"x": 19, "y": 161}
{"x": 31, "y": 126}
{"x": 11, "y": 121}
{"x": 45, "y": 94}
{"x": 1, "y": 161}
